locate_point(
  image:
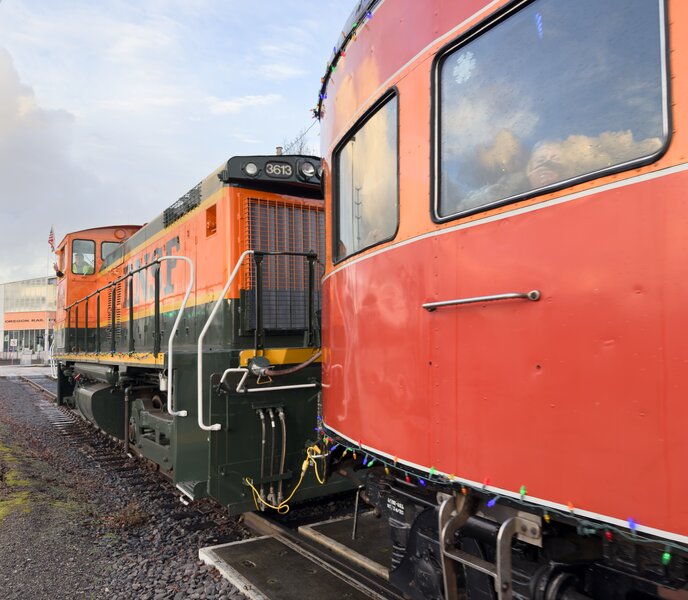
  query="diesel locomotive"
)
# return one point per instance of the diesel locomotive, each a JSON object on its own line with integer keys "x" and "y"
{"x": 504, "y": 338}
{"x": 195, "y": 338}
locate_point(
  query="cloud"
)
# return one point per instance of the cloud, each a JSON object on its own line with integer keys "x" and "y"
{"x": 139, "y": 104}
{"x": 280, "y": 71}
{"x": 246, "y": 138}
{"x": 234, "y": 105}
{"x": 41, "y": 185}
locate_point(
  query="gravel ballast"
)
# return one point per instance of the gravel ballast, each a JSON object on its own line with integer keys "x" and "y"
{"x": 79, "y": 521}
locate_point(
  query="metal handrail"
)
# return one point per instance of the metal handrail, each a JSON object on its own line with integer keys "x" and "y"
{"x": 129, "y": 275}
{"x": 221, "y": 297}
{"x": 533, "y": 295}
{"x": 170, "y": 378}
{"x": 258, "y": 256}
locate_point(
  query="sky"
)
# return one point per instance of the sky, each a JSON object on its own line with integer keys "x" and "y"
{"x": 111, "y": 110}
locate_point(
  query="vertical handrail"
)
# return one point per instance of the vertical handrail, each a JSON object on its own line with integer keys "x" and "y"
{"x": 156, "y": 313}
{"x": 259, "y": 333}
{"x": 215, "y": 426}
{"x": 86, "y": 325}
{"x": 170, "y": 378}
{"x": 69, "y": 329}
{"x": 310, "y": 323}
{"x": 131, "y": 313}
{"x": 76, "y": 326}
{"x": 98, "y": 322}
{"x": 113, "y": 312}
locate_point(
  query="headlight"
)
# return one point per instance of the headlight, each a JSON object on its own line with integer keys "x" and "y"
{"x": 307, "y": 169}
{"x": 251, "y": 169}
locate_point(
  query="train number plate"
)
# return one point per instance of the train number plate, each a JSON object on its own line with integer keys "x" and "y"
{"x": 279, "y": 169}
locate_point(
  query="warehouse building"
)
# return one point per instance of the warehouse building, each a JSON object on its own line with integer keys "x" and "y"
{"x": 27, "y": 317}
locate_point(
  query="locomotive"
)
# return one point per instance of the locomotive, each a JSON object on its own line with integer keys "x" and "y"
{"x": 195, "y": 338}
{"x": 504, "y": 327}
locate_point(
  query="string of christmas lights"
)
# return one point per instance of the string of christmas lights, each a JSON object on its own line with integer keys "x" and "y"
{"x": 584, "y": 526}
{"x": 339, "y": 53}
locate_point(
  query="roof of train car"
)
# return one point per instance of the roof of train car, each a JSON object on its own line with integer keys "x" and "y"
{"x": 72, "y": 233}
{"x": 221, "y": 176}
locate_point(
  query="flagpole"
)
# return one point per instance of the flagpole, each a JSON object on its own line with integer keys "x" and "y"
{"x": 46, "y": 334}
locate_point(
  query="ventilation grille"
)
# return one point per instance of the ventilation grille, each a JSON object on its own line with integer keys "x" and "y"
{"x": 186, "y": 203}
{"x": 282, "y": 227}
{"x": 115, "y": 292}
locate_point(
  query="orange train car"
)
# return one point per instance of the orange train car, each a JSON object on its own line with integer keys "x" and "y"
{"x": 503, "y": 306}
{"x": 194, "y": 338}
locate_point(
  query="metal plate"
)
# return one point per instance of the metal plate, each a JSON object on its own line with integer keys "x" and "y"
{"x": 264, "y": 569}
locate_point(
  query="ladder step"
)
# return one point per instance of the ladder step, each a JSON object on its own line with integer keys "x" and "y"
{"x": 472, "y": 561}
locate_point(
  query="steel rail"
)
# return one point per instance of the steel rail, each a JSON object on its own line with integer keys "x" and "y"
{"x": 38, "y": 387}
{"x": 357, "y": 578}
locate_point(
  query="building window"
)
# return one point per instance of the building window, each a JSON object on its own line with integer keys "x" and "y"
{"x": 83, "y": 257}
{"x": 556, "y": 92}
{"x": 367, "y": 183}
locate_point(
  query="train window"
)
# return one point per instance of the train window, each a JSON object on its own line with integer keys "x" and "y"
{"x": 83, "y": 257}
{"x": 107, "y": 247}
{"x": 555, "y": 93}
{"x": 367, "y": 183}
{"x": 211, "y": 220}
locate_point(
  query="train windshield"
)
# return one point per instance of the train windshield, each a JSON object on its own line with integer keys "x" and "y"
{"x": 554, "y": 93}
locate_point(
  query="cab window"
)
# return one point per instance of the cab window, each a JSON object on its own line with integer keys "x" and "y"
{"x": 555, "y": 93}
{"x": 83, "y": 257}
{"x": 367, "y": 183}
{"x": 107, "y": 247}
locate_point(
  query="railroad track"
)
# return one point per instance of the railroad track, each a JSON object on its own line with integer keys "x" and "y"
{"x": 37, "y": 386}
{"x": 363, "y": 577}
{"x": 351, "y": 568}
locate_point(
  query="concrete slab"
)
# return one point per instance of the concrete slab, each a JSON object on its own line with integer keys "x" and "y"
{"x": 14, "y": 371}
{"x": 265, "y": 569}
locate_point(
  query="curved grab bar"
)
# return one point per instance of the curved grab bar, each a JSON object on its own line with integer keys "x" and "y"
{"x": 214, "y": 426}
{"x": 175, "y": 413}
{"x": 533, "y": 295}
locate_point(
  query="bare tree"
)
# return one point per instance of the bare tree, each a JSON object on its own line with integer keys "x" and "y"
{"x": 300, "y": 145}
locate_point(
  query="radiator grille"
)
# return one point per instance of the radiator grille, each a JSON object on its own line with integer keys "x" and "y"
{"x": 282, "y": 227}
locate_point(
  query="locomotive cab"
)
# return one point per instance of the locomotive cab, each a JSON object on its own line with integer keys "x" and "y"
{"x": 79, "y": 258}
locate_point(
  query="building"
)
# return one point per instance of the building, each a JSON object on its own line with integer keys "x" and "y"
{"x": 27, "y": 316}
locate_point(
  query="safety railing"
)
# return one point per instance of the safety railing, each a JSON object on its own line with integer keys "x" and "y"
{"x": 259, "y": 335}
{"x": 74, "y": 334}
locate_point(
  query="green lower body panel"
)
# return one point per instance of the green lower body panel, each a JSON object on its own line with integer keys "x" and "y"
{"x": 263, "y": 442}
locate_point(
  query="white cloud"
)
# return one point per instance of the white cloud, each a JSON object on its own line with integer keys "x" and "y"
{"x": 280, "y": 71}
{"x": 139, "y": 104}
{"x": 234, "y": 105}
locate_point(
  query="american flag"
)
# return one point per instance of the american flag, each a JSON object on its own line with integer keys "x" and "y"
{"x": 51, "y": 239}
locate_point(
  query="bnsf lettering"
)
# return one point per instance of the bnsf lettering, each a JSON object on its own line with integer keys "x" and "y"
{"x": 144, "y": 281}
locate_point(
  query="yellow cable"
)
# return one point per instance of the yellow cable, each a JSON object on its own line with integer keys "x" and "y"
{"x": 283, "y": 507}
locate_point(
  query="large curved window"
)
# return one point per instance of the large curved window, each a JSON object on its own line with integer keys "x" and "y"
{"x": 367, "y": 183}
{"x": 555, "y": 92}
